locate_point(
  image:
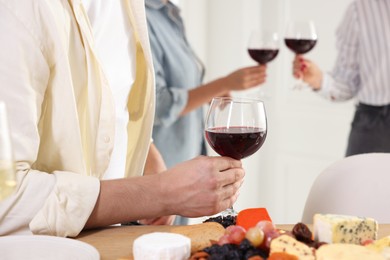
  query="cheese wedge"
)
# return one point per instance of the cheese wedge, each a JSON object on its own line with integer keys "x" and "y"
{"x": 290, "y": 245}
{"x": 162, "y": 246}
{"x": 332, "y": 228}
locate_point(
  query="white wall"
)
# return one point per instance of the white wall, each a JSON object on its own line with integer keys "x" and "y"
{"x": 306, "y": 132}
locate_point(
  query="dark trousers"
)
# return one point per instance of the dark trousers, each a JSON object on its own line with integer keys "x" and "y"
{"x": 370, "y": 130}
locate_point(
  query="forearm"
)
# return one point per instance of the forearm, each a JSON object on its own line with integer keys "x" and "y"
{"x": 203, "y": 94}
{"x": 241, "y": 79}
{"x": 125, "y": 200}
{"x": 154, "y": 161}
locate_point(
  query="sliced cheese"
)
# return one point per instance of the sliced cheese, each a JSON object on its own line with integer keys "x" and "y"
{"x": 381, "y": 246}
{"x": 346, "y": 252}
{"x": 332, "y": 228}
{"x": 290, "y": 245}
{"x": 162, "y": 246}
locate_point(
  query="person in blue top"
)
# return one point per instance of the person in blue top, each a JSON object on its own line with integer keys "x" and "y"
{"x": 178, "y": 126}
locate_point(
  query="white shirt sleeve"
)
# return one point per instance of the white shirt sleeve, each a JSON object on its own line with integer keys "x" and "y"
{"x": 48, "y": 204}
{"x": 48, "y": 201}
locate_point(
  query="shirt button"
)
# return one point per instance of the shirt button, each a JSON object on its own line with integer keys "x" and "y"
{"x": 106, "y": 139}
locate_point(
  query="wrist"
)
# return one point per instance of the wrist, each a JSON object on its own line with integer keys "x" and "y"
{"x": 317, "y": 82}
{"x": 166, "y": 199}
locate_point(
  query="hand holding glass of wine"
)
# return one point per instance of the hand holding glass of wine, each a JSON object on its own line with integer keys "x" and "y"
{"x": 235, "y": 127}
{"x": 300, "y": 38}
{"x": 7, "y": 166}
{"x": 263, "y": 46}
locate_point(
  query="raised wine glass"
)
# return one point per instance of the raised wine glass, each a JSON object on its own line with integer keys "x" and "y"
{"x": 300, "y": 38}
{"x": 263, "y": 46}
{"x": 7, "y": 166}
{"x": 235, "y": 127}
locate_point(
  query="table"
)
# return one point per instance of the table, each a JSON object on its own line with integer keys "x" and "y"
{"x": 117, "y": 242}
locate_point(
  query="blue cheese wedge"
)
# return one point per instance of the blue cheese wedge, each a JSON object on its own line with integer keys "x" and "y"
{"x": 346, "y": 252}
{"x": 290, "y": 245}
{"x": 332, "y": 228}
{"x": 162, "y": 246}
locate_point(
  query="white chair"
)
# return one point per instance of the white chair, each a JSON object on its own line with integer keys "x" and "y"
{"x": 358, "y": 185}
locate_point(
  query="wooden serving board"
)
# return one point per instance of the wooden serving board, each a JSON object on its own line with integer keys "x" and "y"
{"x": 117, "y": 242}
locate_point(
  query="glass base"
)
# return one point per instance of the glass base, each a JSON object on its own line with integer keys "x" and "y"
{"x": 228, "y": 212}
{"x": 300, "y": 84}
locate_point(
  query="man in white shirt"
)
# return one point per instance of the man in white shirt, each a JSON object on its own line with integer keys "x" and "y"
{"x": 63, "y": 119}
{"x": 115, "y": 47}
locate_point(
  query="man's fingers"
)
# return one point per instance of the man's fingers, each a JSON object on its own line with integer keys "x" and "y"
{"x": 232, "y": 177}
{"x": 223, "y": 163}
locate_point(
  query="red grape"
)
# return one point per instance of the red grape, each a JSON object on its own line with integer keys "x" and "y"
{"x": 236, "y": 233}
{"x": 225, "y": 239}
{"x": 266, "y": 226}
{"x": 269, "y": 236}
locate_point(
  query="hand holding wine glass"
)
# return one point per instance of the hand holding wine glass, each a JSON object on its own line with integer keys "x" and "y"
{"x": 236, "y": 127}
{"x": 7, "y": 167}
{"x": 308, "y": 71}
{"x": 300, "y": 38}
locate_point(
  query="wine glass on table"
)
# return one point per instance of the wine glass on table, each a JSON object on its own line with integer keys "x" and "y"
{"x": 7, "y": 165}
{"x": 300, "y": 38}
{"x": 235, "y": 127}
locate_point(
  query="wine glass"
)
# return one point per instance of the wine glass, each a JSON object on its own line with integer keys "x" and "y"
{"x": 235, "y": 127}
{"x": 263, "y": 46}
{"x": 7, "y": 166}
{"x": 300, "y": 38}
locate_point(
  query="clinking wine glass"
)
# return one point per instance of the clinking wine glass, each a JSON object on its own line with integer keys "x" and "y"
{"x": 263, "y": 46}
{"x": 7, "y": 165}
{"x": 300, "y": 38}
{"x": 235, "y": 127}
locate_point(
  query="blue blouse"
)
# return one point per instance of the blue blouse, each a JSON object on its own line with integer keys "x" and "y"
{"x": 177, "y": 70}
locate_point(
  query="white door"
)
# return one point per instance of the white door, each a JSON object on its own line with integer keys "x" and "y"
{"x": 306, "y": 133}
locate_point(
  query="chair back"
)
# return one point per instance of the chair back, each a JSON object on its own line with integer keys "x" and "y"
{"x": 358, "y": 185}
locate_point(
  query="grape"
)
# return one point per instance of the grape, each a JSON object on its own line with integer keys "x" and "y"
{"x": 269, "y": 236}
{"x": 266, "y": 226}
{"x": 225, "y": 239}
{"x": 255, "y": 235}
{"x": 236, "y": 234}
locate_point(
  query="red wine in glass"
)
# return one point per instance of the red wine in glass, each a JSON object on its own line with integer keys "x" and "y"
{"x": 263, "y": 56}
{"x": 300, "y": 46}
{"x": 237, "y": 142}
{"x": 263, "y": 46}
{"x": 235, "y": 127}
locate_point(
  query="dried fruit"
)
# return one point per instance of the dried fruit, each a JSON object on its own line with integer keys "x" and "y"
{"x": 302, "y": 233}
{"x": 225, "y": 221}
